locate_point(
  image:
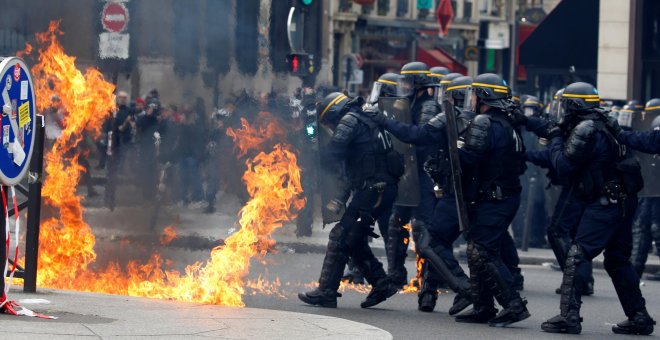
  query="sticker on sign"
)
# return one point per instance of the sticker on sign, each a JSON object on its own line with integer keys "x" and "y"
{"x": 114, "y": 17}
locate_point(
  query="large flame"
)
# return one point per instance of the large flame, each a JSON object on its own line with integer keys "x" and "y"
{"x": 67, "y": 243}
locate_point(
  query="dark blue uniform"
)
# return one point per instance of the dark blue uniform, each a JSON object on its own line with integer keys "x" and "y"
{"x": 490, "y": 215}
{"x": 364, "y": 150}
{"x": 644, "y": 141}
{"x": 423, "y": 109}
{"x": 566, "y": 215}
{"x": 604, "y": 222}
{"x": 646, "y": 229}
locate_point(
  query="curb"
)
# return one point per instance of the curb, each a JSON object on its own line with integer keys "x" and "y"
{"x": 525, "y": 259}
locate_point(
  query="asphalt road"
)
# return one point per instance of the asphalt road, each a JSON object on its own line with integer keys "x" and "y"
{"x": 400, "y": 317}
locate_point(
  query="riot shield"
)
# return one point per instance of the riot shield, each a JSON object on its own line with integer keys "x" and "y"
{"x": 408, "y": 192}
{"x": 454, "y": 160}
{"x": 641, "y": 121}
{"x": 331, "y": 183}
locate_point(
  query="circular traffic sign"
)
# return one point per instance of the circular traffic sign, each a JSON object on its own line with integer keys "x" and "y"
{"x": 18, "y": 119}
{"x": 114, "y": 17}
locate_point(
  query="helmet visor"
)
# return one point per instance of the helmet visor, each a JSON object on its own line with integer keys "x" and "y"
{"x": 625, "y": 118}
{"x": 440, "y": 93}
{"x": 375, "y": 93}
{"x": 470, "y": 101}
{"x": 406, "y": 86}
{"x": 529, "y": 111}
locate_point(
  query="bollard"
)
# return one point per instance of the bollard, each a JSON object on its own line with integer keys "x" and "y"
{"x": 34, "y": 208}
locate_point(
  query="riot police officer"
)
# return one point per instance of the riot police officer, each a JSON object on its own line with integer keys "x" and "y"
{"x": 644, "y": 141}
{"x": 646, "y": 226}
{"x": 437, "y": 244}
{"x": 386, "y": 86}
{"x": 602, "y": 182}
{"x": 373, "y": 169}
{"x": 416, "y": 85}
{"x": 532, "y": 215}
{"x": 493, "y": 151}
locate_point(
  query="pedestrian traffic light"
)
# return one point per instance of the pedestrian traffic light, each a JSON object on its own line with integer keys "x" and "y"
{"x": 299, "y": 64}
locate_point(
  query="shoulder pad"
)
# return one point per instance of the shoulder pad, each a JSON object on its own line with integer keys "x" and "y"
{"x": 345, "y": 128}
{"x": 439, "y": 121}
{"x": 430, "y": 109}
{"x": 477, "y": 133}
{"x": 580, "y": 139}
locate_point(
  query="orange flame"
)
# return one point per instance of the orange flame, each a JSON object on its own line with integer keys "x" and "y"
{"x": 168, "y": 235}
{"x": 67, "y": 243}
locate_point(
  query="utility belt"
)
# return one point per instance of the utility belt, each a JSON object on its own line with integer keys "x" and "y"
{"x": 612, "y": 193}
{"x": 498, "y": 193}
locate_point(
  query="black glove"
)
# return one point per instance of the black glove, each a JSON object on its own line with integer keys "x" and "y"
{"x": 543, "y": 128}
{"x": 613, "y": 126}
{"x": 517, "y": 116}
{"x": 376, "y": 116}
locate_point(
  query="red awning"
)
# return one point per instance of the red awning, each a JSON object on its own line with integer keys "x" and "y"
{"x": 437, "y": 57}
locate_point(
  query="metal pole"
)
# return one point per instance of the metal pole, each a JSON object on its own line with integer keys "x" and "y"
{"x": 514, "y": 43}
{"x": 529, "y": 210}
{"x": 34, "y": 208}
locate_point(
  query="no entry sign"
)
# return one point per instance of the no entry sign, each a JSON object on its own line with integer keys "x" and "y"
{"x": 114, "y": 17}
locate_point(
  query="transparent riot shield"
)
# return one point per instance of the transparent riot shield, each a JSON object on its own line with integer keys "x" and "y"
{"x": 399, "y": 109}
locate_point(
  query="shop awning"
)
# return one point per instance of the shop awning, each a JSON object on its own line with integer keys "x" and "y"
{"x": 437, "y": 57}
{"x": 567, "y": 37}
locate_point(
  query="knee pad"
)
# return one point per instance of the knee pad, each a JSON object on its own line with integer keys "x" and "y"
{"x": 574, "y": 256}
{"x": 419, "y": 233}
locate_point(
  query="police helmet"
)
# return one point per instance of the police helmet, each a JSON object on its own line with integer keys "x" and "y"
{"x": 652, "y": 105}
{"x": 655, "y": 124}
{"x": 488, "y": 89}
{"x": 532, "y": 106}
{"x": 635, "y": 105}
{"x": 414, "y": 76}
{"x": 387, "y": 85}
{"x": 332, "y": 108}
{"x": 437, "y": 73}
{"x": 579, "y": 97}
{"x": 456, "y": 89}
{"x": 444, "y": 83}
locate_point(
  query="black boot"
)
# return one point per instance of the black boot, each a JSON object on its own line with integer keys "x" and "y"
{"x": 426, "y": 301}
{"x": 569, "y": 320}
{"x": 379, "y": 293}
{"x": 516, "y": 311}
{"x": 569, "y": 324}
{"x": 640, "y": 324}
{"x": 428, "y": 294}
{"x": 334, "y": 262}
{"x": 477, "y": 315}
{"x": 483, "y": 308}
{"x": 461, "y": 301}
{"x": 518, "y": 280}
{"x": 396, "y": 249}
{"x": 353, "y": 274}
{"x": 321, "y": 298}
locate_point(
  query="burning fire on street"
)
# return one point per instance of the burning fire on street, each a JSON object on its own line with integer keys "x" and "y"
{"x": 67, "y": 255}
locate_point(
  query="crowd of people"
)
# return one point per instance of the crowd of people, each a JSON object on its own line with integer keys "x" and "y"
{"x": 475, "y": 141}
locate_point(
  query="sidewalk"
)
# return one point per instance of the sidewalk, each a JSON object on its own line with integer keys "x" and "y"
{"x": 120, "y": 317}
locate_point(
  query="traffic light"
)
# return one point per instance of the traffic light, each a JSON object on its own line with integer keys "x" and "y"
{"x": 299, "y": 64}
{"x": 306, "y": 2}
